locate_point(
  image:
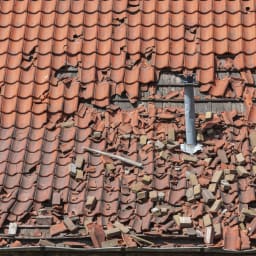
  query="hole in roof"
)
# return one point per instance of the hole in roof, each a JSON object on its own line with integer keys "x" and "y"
{"x": 168, "y": 77}
{"x": 247, "y": 8}
{"x": 66, "y": 71}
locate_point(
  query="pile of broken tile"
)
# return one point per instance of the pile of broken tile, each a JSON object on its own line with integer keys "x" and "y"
{"x": 208, "y": 196}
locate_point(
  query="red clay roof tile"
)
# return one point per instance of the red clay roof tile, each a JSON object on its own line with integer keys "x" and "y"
{"x": 189, "y": 31}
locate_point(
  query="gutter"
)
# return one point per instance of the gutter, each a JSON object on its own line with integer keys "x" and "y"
{"x": 122, "y": 251}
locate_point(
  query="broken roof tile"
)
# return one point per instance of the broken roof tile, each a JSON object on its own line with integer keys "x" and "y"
{"x": 91, "y": 51}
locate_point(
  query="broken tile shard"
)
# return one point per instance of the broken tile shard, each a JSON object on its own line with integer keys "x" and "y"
{"x": 113, "y": 232}
{"x": 124, "y": 229}
{"x": 153, "y": 195}
{"x": 193, "y": 179}
{"x": 252, "y": 137}
{"x": 185, "y": 222}
{"x": 44, "y": 220}
{"x": 137, "y": 187}
{"x": 142, "y": 195}
{"x": 242, "y": 172}
{"x": 110, "y": 243}
{"x": 72, "y": 169}
{"x": 69, "y": 224}
{"x": 57, "y": 229}
{"x": 222, "y": 155}
{"x": 207, "y": 220}
{"x": 209, "y": 235}
{"x": 143, "y": 140}
{"x": 171, "y": 135}
{"x": 197, "y": 191}
{"x": 208, "y": 197}
{"x": 216, "y": 206}
{"x": 159, "y": 145}
{"x": 217, "y": 230}
{"x": 147, "y": 179}
{"x": 90, "y": 202}
{"x": 79, "y": 161}
{"x": 240, "y": 158}
{"x": 12, "y": 230}
{"x": 217, "y": 176}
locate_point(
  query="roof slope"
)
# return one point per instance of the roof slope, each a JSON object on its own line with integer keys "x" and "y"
{"x": 57, "y": 55}
{"x": 50, "y": 169}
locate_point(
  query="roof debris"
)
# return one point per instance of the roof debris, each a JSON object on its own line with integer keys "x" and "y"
{"x": 117, "y": 204}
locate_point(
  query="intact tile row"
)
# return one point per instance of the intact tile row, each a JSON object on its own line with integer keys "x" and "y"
{"x": 116, "y": 45}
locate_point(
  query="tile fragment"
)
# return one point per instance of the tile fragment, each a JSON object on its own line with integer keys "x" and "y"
{"x": 153, "y": 195}
{"x": 159, "y": 145}
{"x": 90, "y": 202}
{"x": 79, "y": 174}
{"x": 124, "y": 229}
{"x": 12, "y": 230}
{"x": 143, "y": 140}
{"x": 242, "y": 172}
{"x": 216, "y": 206}
{"x": 171, "y": 135}
{"x": 212, "y": 187}
{"x": 190, "y": 194}
{"x": 185, "y": 222}
{"x": 110, "y": 243}
{"x": 69, "y": 224}
{"x": 147, "y": 179}
{"x": 43, "y": 242}
{"x": 44, "y": 220}
{"x": 222, "y": 155}
{"x": 113, "y": 232}
{"x": 217, "y": 230}
{"x": 57, "y": 228}
{"x": 72, "y": 169}
{"x": 193, "y": 179}
{"x": 240, "y": 158}
{"x": 208, "y": 197}
{"x": 207, "y": 220}
{"x": 209, "y": 235}
{"x": 67, "y": 124}
{"x": 252, "y": 137}
{"x": 156, "y": 211}
{"x": 208, "y": 115}
{"x": 197, "y": 191}
{"x": 190, "y": 158}
{"x": 97, "y": 234}
{"x": 137, "y": 187}
{"x": 142, "y": 195}
{"x": 232, "y": 239}
{"x": 79, "y": 162}
{"x": 217, "y": 175}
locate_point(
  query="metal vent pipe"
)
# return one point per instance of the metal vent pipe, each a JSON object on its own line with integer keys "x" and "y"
{"x": 190, "y": 115}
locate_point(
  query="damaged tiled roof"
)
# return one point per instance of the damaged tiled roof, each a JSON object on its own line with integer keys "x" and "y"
{"x": 48, "y": 178}
{"x": 58, "y": 56}
{"x": 118, "y": 44}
